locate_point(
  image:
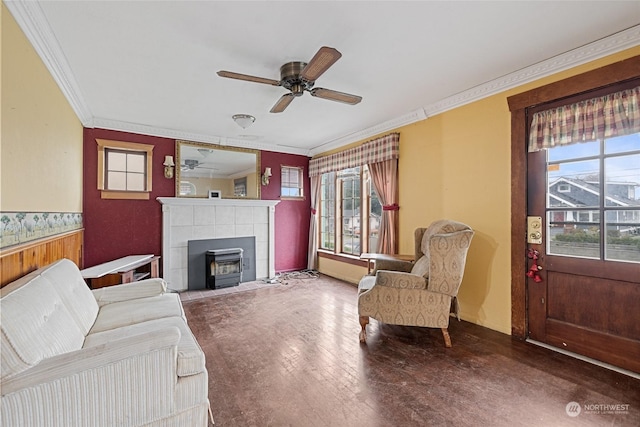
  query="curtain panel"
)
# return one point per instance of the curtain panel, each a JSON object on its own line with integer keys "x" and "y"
{"x": 312, "y": 252}
{"x": 374, "y": 151}
{"x": 607, "y": 116}
{"x": 384, "y": 176}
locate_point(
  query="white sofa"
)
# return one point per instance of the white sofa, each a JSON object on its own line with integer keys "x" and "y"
{"x": 116, "y": 356}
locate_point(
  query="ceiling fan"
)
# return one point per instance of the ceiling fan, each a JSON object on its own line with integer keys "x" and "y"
{"x": 298, "y": 77}
{"x": 192, "y": 164}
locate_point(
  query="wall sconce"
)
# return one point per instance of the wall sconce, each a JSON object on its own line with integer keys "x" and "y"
{"x": 265, "y": 176}
{"x": 168, "y": 167}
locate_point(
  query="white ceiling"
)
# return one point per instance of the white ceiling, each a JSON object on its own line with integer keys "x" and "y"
{"x": 150, "y": 66}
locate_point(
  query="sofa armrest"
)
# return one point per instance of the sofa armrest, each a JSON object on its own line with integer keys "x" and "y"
{"x": 109, "y": 384}
{"x": 129, "y": 291}
{"x": 401, "y": 280}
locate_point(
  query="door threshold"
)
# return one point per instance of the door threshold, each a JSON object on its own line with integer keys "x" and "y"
{"x": 586, "y": 359}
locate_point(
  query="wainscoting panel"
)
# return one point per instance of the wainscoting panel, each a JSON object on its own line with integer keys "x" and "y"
{"x": 22, "y": 259}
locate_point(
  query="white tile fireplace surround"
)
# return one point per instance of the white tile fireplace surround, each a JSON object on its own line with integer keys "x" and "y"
{"x": 185, "y": 219}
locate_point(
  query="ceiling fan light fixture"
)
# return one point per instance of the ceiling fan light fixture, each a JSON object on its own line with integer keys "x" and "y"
{"x": 243, "y": 120}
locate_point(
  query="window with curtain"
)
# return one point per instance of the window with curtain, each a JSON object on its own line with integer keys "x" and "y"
{"x": 354, "y": 205}
{"x": 592, "y": 149}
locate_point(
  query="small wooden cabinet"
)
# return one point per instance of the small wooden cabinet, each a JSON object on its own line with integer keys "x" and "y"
{"x": 123, "y": 270}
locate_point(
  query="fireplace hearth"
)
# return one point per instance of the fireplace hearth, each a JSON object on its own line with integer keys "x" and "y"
{"x": 223, "y": 267}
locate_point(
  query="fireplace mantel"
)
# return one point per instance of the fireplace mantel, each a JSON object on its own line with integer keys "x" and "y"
{"x": 185, "y": 219}
{"x": 199, "y": 201}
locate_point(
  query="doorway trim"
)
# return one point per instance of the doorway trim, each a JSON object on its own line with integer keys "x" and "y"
{"x": 518, "y": 104}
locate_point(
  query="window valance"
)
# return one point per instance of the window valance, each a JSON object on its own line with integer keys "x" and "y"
{"x": 615, "y": 114}
{"x": 374, "y": 151}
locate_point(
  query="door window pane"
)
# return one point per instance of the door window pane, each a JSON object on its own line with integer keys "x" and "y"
{"x": 574, "y": 151}
{"x": 574, "y": 233}
{"x": 575, "y": 184}
{"x": 622, "y": 175}
{"x": 622, "y": 241}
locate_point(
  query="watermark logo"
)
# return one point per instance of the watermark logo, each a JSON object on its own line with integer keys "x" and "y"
{"x": 573, "y": 409}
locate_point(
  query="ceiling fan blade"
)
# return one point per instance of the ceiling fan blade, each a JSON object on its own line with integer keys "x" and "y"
{"x": 321, "y": 61}
{"x": 282, "y": 103}
{"x": 334, "y": 95}
{"x": 238, "y": 76}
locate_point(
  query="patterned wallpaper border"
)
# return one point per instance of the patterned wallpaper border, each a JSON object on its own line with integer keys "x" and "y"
{"x": 22, "y": 227}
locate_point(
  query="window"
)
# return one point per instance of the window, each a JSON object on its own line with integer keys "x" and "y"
{"x": 328, "y": 211}
{"x": 350, "y": 207}
{"x": 350, "y": 212}
{"x": 124, "y": 169}
{"x": 240, "y": 187}
{"x": 601, "y": 218}
{"x": 291, "y": 182}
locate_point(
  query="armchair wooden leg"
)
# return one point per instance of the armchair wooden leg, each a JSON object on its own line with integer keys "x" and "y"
{"x": 364, "y": 320}
{"x": 447, "y": 338}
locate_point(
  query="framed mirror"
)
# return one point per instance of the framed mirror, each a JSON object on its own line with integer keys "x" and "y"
{"x": 204, "y": 169}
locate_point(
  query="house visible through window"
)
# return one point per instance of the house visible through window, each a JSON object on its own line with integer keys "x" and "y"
{"x": 598, "y": 199}
{"x": 124, "y": 169}
{"x": 350, "y": 212}
{"x": 291, "y": 182}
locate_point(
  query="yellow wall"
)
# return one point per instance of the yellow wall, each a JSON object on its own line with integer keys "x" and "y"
{"x": 41, "y": 136}
{"x": 457, "y": 165}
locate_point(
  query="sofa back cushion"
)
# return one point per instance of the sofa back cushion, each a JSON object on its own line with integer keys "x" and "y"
{"x": 34, "y": 324}
{"x": 76, "y": 295}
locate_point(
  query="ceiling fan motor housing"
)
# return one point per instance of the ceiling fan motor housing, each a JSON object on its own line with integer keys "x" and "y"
{"x": 290, "y": 78}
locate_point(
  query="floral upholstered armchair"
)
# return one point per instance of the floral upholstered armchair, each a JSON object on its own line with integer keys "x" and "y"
{"x": 418, "y": 293}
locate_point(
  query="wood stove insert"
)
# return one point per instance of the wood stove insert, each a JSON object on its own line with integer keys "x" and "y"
{"x": 224, "y": 267}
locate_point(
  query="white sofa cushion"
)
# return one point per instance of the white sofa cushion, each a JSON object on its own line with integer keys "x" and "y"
{"x": 73, "y": 290}
{"x": 125, "y": 313}
{"x": 190, "y": 355}
{"x": 35, "y": 325}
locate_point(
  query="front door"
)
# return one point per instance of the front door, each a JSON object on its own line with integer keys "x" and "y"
{"x": 585, "y": 295}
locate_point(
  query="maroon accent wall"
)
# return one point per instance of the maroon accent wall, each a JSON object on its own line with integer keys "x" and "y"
{"x": 292, "y": 216}
{"x": 117, "y": 228}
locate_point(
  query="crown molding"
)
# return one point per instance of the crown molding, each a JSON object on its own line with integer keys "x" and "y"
{"x": 196, "y": 137}
{"x": 395, "y": 123}
{"x": 609, "y": 45}
{"x": 599, "y": 49}
{"x": 31, "y": 19}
